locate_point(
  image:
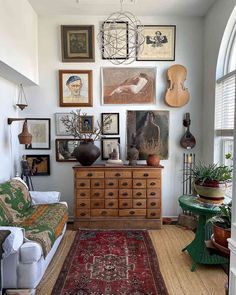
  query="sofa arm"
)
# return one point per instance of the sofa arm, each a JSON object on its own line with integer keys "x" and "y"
{"x": 39, "y": 198}
{"x": 13, "y": 241}
{"x": 30, "y": 252}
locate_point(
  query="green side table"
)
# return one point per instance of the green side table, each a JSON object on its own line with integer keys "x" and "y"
{"x": 197, "y": 248}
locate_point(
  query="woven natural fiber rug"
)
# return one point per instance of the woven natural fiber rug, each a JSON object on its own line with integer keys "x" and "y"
{"x": 111, "y": 262}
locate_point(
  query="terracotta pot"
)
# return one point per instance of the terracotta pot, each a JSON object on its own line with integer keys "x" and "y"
{"x": 221, "y": 235}
{"x": 153, "y": 160}
{"x": 211, "y": 191}
{"x": 86, "y": 153}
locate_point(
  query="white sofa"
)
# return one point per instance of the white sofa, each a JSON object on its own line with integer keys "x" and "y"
{"x": 23, "y": 262}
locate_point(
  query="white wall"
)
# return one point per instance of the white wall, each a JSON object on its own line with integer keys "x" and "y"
{"x": 19, "y": 46}
{"x": 45, "y": 99}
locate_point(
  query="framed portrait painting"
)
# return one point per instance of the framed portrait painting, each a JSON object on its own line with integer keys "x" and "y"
{"x": 110, "y": 123}
{"x": 129, "y": 85}
{"x": 159, "y": 43}
{"x": 60, "y": 127}
{"x": 40, "y": 129}
{"x": 75, "y": 88}
{"x": 65, "y": 149}
{"x": 77, "y": 43}
{"x": 39, "y": 164}
{"x": 149, "y": 130}
{"x": 86, "y": 124}
{"x": 107, "y": 144}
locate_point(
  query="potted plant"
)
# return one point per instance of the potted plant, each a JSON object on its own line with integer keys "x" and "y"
{"x": 152, "y": 149}
{"x": 211, "y": 181}
{"x": 222, "y": 224}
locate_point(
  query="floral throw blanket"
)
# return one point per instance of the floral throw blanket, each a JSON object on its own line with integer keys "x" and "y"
{"x": 42, "y": 223}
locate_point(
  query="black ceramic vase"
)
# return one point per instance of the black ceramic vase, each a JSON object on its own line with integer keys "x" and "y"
{"x": 86, "y": 153}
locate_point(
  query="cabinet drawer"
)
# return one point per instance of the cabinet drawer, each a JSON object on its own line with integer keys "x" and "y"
{"x": 97, "y": 183}
{"x": 125, "y": 183}
{"x": 153, "y": 203}
{"x": 111, "y": 193}
{"x": 97, "y": 193}
{"x": 154, "y": 213}
{"x": 113, "y": 203}
{"x": 83, "y": 193}
{"x": 139, "y": 193}
{"x": 83, "y": 183}
{"x": 111, "y": 183}
{"x": 146, "y": 173}
{"x": 125, "y": 193}
{"x": 123, "y": 204}
{"x": 154, "y": 193}
{"x": 82, "y": 213}
{"x": 153, "y": 183}
{"x": 139, "y": 183}
{"x": 132, "y": 212}
{"x": 140, "y": 203}
{"x": 83, "y": 203}
{"x": 104, "y": 212}
{"x": 97, "y": 203}
{"x": 89, "y": 174}
{"x": 118, "y": 174}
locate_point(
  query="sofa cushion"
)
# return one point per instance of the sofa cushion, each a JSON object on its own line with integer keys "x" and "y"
{"x": 14, "y": 201}
{"x": 30, "y": 252}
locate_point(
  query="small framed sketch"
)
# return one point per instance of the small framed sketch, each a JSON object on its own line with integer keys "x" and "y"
{"x": 75, "y": 88}
{"x": 86, "y": 124}
{"x": 39, "y": 164}
{"x": 65, "y": 149}
{"x": 107, "y": 146}
{"x": 40, "y": 129}
{"x": 77, "y": 43}
{"x": 159, "y": 43}
{"x": 115, "y": 40}
{"x": 110, "y": 123}
{"x": 60, "y": 127}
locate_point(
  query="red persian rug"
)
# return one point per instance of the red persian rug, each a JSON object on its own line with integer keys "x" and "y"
{"x": 111, "y": 262}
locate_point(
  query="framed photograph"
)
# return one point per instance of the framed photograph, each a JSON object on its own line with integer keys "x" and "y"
{"x": 75, "y": 88}
{"x": 112, "y": 126}
{"x": 115, "y": 40}
{"x": 150, "y": 131}
{"x": 60, "y": 127}
{"x": 40, "y": 128}
{"x": 86, "y": 124}
{"x": 39, "y": 164}
{"x": 107, "y": 144}
{"x": 65, "y": 148}
{"x": 159, "y": 43}
{"x": 77, "y": 43}
{"x": 129, "y": 85}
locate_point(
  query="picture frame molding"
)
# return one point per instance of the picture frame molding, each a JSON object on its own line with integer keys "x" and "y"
{"x": 102, "y": 147}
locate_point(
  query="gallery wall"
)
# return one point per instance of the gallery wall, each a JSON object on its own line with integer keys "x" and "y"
{"x": 44, "y": 100}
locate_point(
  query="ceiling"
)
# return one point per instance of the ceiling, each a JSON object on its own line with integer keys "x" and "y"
{"x": 105, "y": 7}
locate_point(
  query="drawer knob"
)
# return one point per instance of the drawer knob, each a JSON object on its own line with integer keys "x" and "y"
{"x": 152, "y": 183}
{"x": 125, "y": 204}
{"x": 117, "y": 174}
{"x": 90, "y": 174}
{"x": 139, "y": 204}
{"x": 146, "y": 174}
{"x": 111, "y": 183}
{"x": 139, "y": 194}
{"x": 152, "y": 193}
{"x": 153, "y": 214}
{"x": 97, "y": 184}
{"x": 82, "y": 184}
{"x": 96, "y": 204}
{"x": 104, "y": 213}
{"x": 111, "y": 204}
{"x": 82, "y": 204}
{"x": 125, "y": 183}
{"x": 97, "y": 194}
{"x": 153, "y": 204}
{"x": 82, "y": 194}
{"x": 110, "y": 194}
{"x": 82, "y": 214}
{"x": 125, "y": 194}
{"x": 131, "y": 212}
{"x": 139, "y": 184}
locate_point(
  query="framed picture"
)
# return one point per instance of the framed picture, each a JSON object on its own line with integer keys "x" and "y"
{"x": 60, "y": 127}
{"x": 39, "y": 164}
{"x": 150, "y": 132}
{"x": 112, "y": 126}
{"x": 107, "y": 144}
{"x": 115, "y": 40}
{"x": 75, "y": 88}
{"x": 159, "y": 43}
{"x": 86, "y": 124}
{"x": 77, "y": 43}
{"x": 40, "y": 128}
{"x": 65, "y": 148}
{"x": 129, "y": 85}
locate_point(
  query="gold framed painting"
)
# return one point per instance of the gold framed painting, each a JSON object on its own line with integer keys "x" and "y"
{"x": 77, "y": 43}
{"x": 159, "y": 43}
{"x": 39, "y": 164}
{"x": 75, "y": 88}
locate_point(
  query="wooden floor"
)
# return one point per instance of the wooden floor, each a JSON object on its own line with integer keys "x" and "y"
{"x": 174, "y": 264}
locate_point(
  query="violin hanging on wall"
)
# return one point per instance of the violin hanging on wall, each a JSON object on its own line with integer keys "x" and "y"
{"x": 188, "y": 141}
{"x": 176, "y": 94}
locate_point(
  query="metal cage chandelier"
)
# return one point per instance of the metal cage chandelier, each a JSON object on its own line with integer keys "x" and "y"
{"x": 120, "y": 37}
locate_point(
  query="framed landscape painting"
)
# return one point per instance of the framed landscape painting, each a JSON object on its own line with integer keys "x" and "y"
{"x": 159, "y": 43}
{"x": 77, "y": 43}
{"x": 129, "y": 85}
{"x": 39, "y": 164}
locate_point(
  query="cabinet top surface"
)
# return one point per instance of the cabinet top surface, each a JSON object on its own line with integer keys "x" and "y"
{"x": 117, "y": 167}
